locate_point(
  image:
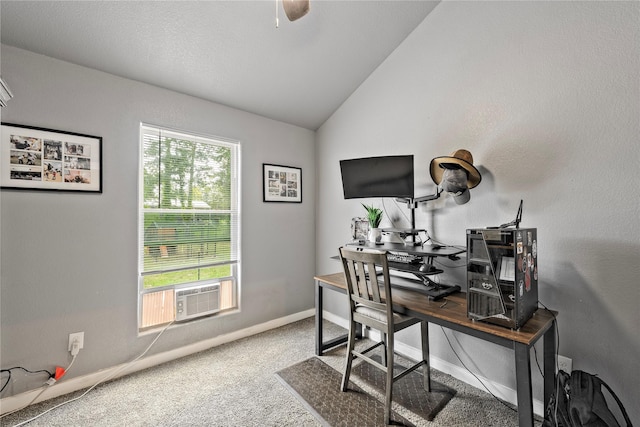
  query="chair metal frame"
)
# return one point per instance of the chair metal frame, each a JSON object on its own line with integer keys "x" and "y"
{"x": 370, "y": 307}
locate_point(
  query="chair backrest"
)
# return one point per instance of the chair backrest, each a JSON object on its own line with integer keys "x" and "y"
{"x": 363, "y": 280}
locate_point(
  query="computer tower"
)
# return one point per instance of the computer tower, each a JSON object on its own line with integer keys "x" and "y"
{"x": 502, "y": 275}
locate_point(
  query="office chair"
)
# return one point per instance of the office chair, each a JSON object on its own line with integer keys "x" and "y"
{"x": 370, "y": 304}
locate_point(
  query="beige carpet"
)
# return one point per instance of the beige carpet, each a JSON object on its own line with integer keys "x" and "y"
{"x": 235, "y": 385}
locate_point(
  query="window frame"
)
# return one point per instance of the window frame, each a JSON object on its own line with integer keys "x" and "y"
{"x": 232, "y": 295}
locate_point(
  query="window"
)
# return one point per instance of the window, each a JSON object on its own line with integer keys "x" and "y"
{"x": 188, "y": 226}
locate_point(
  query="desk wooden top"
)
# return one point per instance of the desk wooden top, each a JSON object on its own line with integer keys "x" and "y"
{"x": 455, "y": 311}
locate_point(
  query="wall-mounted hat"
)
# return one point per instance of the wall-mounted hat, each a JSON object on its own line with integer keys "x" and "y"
{"x": 458, "y": 159}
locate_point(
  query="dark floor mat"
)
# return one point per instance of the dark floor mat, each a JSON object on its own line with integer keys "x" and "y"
{"x": 317, "y": 385}
{"x": 408, "y": 391}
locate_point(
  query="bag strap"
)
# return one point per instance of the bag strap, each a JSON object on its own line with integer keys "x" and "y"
{"x": 582, "y": 402}
{"x": 624, "y": 412}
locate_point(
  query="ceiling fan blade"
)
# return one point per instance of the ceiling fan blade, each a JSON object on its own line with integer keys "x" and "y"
{"x": 295, "y": 9}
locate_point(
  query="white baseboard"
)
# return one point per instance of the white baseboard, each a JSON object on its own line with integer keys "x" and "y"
{"x": 501, "y": 391}
{"x": 340, "y": 321}
{"x": 13, "y": 403}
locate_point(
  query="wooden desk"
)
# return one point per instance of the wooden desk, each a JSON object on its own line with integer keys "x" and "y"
{"x": 454, "y": 316}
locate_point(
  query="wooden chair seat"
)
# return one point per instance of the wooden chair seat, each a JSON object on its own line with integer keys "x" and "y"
{"x": 381, "y": 315}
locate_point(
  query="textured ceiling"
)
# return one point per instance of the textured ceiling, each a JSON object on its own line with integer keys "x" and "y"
{"x": 229, "y": 52}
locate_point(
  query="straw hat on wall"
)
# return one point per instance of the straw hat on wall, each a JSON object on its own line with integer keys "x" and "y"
{"x": 458, "y": 159}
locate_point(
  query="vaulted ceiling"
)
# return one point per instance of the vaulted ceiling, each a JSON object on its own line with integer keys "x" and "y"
{"x": 228, "y": 52}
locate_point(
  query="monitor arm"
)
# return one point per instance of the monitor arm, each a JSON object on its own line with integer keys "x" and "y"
{"x": 412, "y": 204}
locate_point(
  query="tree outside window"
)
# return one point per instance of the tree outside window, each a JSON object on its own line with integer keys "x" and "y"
{"x": 188, "y": 217}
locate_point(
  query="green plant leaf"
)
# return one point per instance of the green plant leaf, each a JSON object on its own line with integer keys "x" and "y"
{"x": 374, "y": 215}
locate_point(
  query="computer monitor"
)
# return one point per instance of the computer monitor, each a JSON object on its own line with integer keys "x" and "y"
{"x": 385, "y": 176}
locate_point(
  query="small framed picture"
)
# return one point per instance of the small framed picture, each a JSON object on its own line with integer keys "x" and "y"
{"x": 44, "y": 159}
{"x": 359, "y": 228}
{"x": 281, "y": 183}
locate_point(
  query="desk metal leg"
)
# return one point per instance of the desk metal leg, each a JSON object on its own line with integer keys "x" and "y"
{"x": 321, "y": 346}
{"x": 318, "y": 319}
{"x": 549, "y": 342}
{"x": 424, "y": 332}
{"x": 523, "y": 385}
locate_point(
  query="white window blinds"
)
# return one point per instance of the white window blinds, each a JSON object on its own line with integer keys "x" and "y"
{"x": 189, "y": 207}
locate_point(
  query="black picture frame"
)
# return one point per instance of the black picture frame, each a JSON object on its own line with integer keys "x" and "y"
{"x": 35, "y": 158}
{"x": 281, "y": 183}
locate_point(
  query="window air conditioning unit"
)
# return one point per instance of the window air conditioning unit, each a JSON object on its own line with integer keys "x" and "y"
{"x": 197, "y": 301}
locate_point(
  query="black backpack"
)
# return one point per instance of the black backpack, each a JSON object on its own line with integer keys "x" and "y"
{"x": 580, "y": 403}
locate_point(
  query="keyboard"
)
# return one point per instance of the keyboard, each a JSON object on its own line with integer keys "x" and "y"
{"x": 404, "y": 258}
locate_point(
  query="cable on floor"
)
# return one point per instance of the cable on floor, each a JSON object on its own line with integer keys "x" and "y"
{"x": 469, "y": 370}
{"x": 48, "y": 384}
{"x": 106, "y": 378}
{"x": 40, "y": 371}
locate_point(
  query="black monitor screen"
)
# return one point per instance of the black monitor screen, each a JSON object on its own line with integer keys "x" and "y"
{"x": 387, "y": 176}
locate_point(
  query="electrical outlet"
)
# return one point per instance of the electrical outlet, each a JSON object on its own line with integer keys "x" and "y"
{"x": 77, "y": 336}
{"x": 565, "y": 364}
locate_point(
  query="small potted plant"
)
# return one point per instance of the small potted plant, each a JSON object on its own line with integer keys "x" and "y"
{"x": 374, "y": 215}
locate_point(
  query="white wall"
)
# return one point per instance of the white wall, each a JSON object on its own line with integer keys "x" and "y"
{"x": 546, "y": 96}
{"x": 69, "y": 260}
